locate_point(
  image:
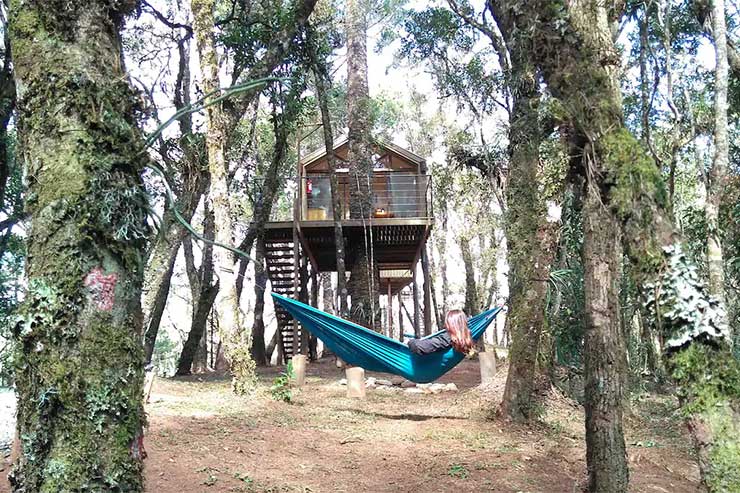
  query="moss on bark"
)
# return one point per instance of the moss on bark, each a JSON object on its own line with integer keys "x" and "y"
{"x": 79, "y": 360}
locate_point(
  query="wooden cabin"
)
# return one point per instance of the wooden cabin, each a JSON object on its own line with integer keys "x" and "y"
{"x": 399, "y": 226}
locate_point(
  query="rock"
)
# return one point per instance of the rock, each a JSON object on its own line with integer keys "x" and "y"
{"x": 451, "y": 387}
{"x": 343, "y": 381}
{"x": 370, "y": 381}
{"x": 414, "y": 390}
{"x": 381, "y": 381}
{"x": 436, "y": 388}
{"x": 407, "y": 384}
{"x": 398, "y": 381}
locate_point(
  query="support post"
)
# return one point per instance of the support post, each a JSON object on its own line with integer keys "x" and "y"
{"x": 390, "y": 310}
{"x": 400, "y": 317}
{"x": 417, "y": 324}
{"x": 303, "y": 298}
{"x": 296, "y": 285}
{"x": 355, "y": 382}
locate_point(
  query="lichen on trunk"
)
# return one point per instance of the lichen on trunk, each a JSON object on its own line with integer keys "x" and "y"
{"x": 79, "y": 371}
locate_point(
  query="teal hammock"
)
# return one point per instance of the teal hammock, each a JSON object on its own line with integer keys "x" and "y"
{"x": 362, "y": 347}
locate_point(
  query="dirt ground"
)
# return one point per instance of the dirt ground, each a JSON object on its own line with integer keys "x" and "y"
{"x": 201, "y": 438}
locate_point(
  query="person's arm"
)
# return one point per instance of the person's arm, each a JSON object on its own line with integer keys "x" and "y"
{"x": 430, "y": 345}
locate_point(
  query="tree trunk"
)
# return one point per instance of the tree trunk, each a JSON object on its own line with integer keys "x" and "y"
{"x": 156, "y": 310}
{"x": 236, "y": 339}
{"x": 203, "y": 292}
{"x": 439, "y": 319}
{"x": 365, "y": 274}
{"x": 323, "y": 82}
{"x": 327, "y": 291}
{"x": 79, "y": 373}
{"x": 530, "y": 239}
{"x": 260, "y": 282}
{"x": 427, "y": 292}
{"x": 165, "y": 246}
{"x": 604, "y": 350}
{"x": 442, "y": 246}
{"x": 577, "y": 58}
{"x": 717, "y": 173}
{"x": 200, "y": 318}
{"x": 472, "y": 306}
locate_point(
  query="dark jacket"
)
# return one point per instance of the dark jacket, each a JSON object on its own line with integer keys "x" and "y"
{"x": 439, "y": 342}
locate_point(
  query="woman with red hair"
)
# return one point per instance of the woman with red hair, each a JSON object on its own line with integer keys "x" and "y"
{"x": 456, "y": 335}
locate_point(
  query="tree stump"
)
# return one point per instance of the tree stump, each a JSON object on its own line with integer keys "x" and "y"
{"x": 355, "y": 382}
{"x": 487, "y": 366}
{"x": 299, "y": 369}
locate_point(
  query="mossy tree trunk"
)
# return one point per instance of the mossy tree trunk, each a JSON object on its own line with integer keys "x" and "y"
{"x": 604, "y": 349}
{"x": 235, "y": 337}
{"x": 530, "y": 238}
{"x": 79, "y": 367}
{"x": 575, "y": 51}
{"x": 364, "y": 282}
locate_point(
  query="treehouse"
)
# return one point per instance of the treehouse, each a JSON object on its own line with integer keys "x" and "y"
{"x": 397, "y": 227}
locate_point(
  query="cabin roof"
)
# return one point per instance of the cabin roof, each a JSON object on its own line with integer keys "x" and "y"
{"x": 382, "y": 144}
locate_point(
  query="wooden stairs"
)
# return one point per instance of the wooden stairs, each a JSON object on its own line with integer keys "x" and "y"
{"x": 281, "y": 269}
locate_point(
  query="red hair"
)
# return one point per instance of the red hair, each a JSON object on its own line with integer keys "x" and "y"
{"x": 456, "y": 323}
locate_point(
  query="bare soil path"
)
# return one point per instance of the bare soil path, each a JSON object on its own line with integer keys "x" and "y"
{"x": 201, "y": 438}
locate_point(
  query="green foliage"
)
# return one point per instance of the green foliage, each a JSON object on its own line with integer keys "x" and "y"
{"x": 565, "y": 308}
{"x": 166, "y": 352}
{"x": 458, "y": 471}
{"x": 438, "y": 38}
{"x": 12, "y": 259}
{"x": 280, "y": 389}
{"x": 708, "y": 380}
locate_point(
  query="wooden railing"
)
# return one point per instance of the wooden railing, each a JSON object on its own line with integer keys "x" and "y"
{"x": 395, "y": 195}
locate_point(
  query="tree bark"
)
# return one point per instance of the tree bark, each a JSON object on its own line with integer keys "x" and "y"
{"x": 428, "y": 309}
{"x": 604, "y": 350}
{"x": 364, "y": 281}
{"x": 717, "y": 173}
{"x": 577, "y": 58}
{"x": 327, "y": 293}
{"x": 323, "y": 82}
{"x": 472, "y": 306}
{"x": 156, "y": 309}
{"x": 260, "y": 282}
{"x": 203, "y": 292}
{"x": 79, "y": 373}
{"x": 236, "y": 339}
{"x": 165, "y": 246}
{"x": 530, "y": 239}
